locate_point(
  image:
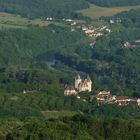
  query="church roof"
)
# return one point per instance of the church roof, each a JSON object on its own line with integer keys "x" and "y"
{"x": 84, "y": 83}
{"x": 70, "y": 87}
{"x": 88, "y": 78}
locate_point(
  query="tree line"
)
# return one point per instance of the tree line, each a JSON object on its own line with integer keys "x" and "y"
{"x": 114, "y": 3}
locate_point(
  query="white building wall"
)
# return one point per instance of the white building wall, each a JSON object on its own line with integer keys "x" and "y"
{"x": 138, "y": 101}
{"x": 77, "y": 82}
{"x": 90, "y": 86}
{"x": 70, "y": 92}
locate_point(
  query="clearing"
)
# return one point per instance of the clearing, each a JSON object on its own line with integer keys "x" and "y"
{"x": 16, "y": 21}
{"x": 96, "y": 12}
{"x": 57, "y": 114}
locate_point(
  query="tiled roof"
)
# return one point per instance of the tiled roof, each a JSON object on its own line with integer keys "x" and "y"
{"x": 122, "y": 97}
{"x": 70, "y": 87}
{"x": 104, "y": 93}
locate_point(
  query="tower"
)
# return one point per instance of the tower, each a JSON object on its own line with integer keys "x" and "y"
{"x": 77, "y": 81}
{"x": 89, "y": 82}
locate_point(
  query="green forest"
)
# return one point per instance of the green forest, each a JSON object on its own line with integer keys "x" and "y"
{"x": 79, "y": 127}
{"x": 43, "y": 8}
{"x": 111, "y": 66}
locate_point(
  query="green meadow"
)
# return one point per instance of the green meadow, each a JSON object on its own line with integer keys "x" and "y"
{"x": 16, "y": 21}
{"x": 57, "y": 114}
{"x": 95, "y": 12}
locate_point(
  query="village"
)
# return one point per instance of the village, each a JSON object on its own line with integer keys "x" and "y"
{"x": 93, "y": 31}
{"x": 103, "y": 97}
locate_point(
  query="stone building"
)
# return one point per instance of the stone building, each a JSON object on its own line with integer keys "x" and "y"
{"x": 70, "y": 90}
{"x": 83, "y": 84}
{"x": 79, "y": 86}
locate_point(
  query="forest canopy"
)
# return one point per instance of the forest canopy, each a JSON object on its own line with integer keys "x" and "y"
{"x": 43, "y": 8}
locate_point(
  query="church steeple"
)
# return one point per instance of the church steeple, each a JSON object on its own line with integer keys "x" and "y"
{"x": 77, "y": 81}
{"x": 88, "y": 78}
{"x": 77, "y": 77}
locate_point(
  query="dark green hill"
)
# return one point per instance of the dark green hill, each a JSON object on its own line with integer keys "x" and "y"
{"x": 43, "y": 8}
{"x": 24, "y": 47}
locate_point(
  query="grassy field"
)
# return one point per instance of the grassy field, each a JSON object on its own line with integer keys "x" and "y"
{"x": 97, "y": 12}
{"x": 16, "y": 21}
{"x": 57, "y": 114}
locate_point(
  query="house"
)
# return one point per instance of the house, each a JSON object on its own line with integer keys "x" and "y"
{"x": 68, "y": 20}
{"x": 49, "y": 18}
{"x": 112, "y": 21}
{"x": 29, "y": 91}
{"x": 138, "y": 102}
{"x": 74, "y": 23}
{"x": 125, "y": 100}
{"x": 126, "y": 45}
{"x": 108, "y": 30}
{"x": 103, "y": 96}
{"x": 89, "y": 31}
{"x": 70, "y": 90}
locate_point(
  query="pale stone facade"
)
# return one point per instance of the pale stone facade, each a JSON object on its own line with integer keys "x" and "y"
{"x": 138, "y": 101}
{"x": 83, "y": 85}
{"x": 79, "y": 86}
{"x": 70, "y": 90}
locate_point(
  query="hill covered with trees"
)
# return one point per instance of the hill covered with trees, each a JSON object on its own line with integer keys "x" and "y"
{"x": 43, "y": 8}
{"x": 111, "y": 66}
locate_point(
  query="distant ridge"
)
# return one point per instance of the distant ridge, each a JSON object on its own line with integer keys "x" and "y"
{"x": 114, "y": 3}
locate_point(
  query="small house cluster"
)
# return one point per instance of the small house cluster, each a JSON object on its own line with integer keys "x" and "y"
{"x": 112, "y": 21}
{"x": 91, "y": 31}
{"x": 105, "y": 97}
{"x": 80, "y": 85}
{"x": 70, "y": 21}
{"x": 94, "y": 31}
{"x": 128, "y": 45}
{"x": 49, "y": 18}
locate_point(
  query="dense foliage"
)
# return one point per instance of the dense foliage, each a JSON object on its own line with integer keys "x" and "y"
{"x": 130, "y": 18}
{"x": 22, "y": 106}
{"x": 79, "y": 127}
{"x": 111, "y": 66}
{"x": 43, "y": 8}
{"x": 24, "y": 47}
{"x": 114, "y": 3}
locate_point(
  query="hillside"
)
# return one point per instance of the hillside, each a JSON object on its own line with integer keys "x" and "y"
{"x": 112, "y": 67}
{"x": 43, "y": 8}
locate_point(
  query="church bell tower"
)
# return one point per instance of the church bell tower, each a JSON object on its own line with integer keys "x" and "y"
{"x": 77, "y": 81}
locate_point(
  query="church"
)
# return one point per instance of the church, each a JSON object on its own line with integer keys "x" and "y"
{"x": 80, "y": 85}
